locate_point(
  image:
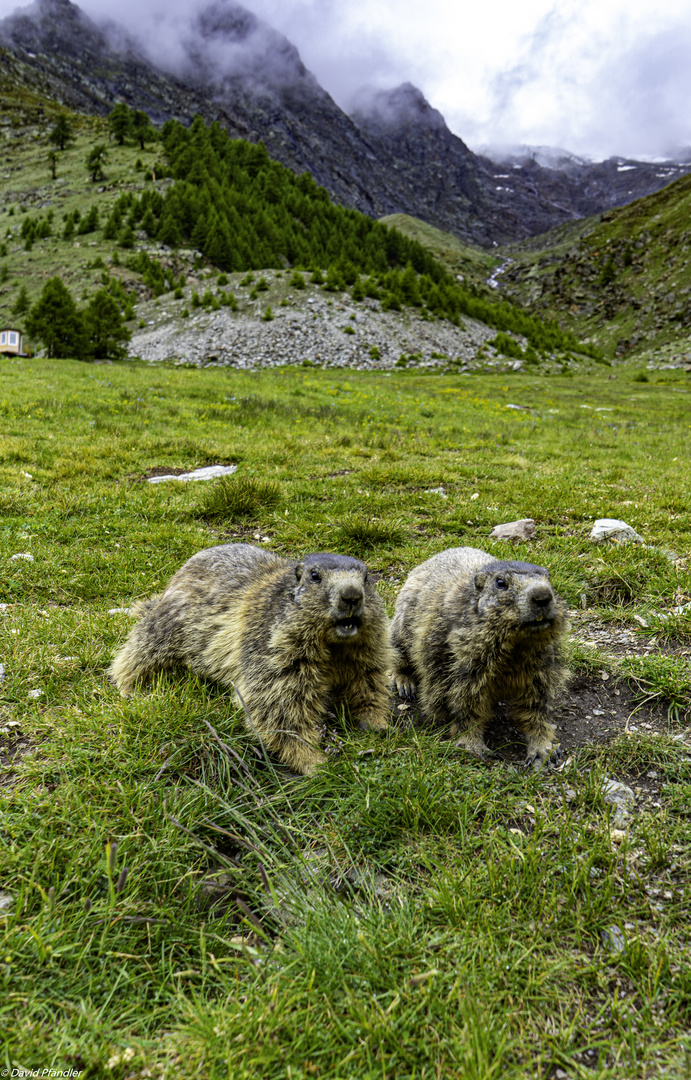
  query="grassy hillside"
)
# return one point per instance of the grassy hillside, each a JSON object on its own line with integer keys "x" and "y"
{"x": 473, "y": 264}
{"x": 623, "y": 280}
{"x": 410, "y": 911}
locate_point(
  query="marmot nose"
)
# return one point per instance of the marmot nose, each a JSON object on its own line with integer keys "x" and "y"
{"x": 351, "y": 596}
{"x": 541, "y": 598}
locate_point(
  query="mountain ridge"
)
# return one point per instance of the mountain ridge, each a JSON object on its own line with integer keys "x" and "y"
{"x": 395, "y": 154}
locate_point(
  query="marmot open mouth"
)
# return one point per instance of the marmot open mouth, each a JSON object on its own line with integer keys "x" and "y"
{"x": 348, "y": 626}
{"x": 542, "y": 623}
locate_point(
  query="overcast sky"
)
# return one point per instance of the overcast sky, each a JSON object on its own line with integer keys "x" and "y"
{"x": 597, "y": 77}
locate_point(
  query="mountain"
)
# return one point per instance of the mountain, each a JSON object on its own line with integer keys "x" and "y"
{"x": 622, "y": 279}
{"x": 394, "y": 155}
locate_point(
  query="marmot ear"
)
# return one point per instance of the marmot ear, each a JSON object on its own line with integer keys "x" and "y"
{"x": 480, "y": 580}
{"x": 298, "y": 571}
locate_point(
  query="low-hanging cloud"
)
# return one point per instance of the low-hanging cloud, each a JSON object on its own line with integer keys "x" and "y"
{"x": 598, "y": 77}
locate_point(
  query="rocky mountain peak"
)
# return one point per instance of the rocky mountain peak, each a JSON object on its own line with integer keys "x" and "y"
{"x": 227, "y": 45}
{"x": 402, "y": 107}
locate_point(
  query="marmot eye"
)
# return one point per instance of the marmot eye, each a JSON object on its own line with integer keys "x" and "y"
{"x": 501, "y": 583}
{"x": 315, "y": 575}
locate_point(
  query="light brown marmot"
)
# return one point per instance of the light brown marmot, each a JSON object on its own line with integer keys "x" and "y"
{"x": 291, "y": 637}
{"x": 470, "y": 631}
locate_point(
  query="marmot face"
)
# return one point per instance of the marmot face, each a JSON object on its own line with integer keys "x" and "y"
{"x": 519, "y": 593}
{"x": 333, "y": 587}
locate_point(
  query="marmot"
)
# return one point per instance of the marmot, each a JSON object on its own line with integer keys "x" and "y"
{"x": 292, "y": 637}
{"x": 469, "y": 631}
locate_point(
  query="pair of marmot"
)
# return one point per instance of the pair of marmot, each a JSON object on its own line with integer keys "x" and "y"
{"x": 293, "y": 637}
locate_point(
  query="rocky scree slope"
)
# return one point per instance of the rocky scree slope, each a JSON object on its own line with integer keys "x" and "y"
{"x": 396, "y": 155}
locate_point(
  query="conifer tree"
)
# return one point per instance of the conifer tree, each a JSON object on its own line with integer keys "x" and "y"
{"x": 62, "y": 133}
{"x": 120, "y": 122}
{"x": 55, "y": 320}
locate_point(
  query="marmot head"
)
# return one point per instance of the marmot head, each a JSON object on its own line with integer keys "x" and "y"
{"x": 334, "y": 588}
{"x": 519, "y": 594}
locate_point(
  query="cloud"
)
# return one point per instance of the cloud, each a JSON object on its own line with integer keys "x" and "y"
{"x": 597, "y": 77}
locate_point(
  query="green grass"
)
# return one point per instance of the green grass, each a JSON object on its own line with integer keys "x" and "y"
{"x": 407, "y": 912}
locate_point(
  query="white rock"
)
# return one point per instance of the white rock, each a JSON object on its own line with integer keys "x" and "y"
{"x": 2, "y": 672}
{"x": 617, "y": 531}
{"x": 515, "y": 530}
{"x": 6, "y": 899}
{"x": 437, "y": 491}
{"x": 22, "y": 555}
{"x": 613, "y": 939}
{"x": 118, "y": 611}
{"x": 35, "y": 694}
{"x": 621, "y": 797}
{"x": 209, "y": 472}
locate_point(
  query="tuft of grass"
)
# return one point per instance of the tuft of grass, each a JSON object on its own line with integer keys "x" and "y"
{"x": 233, "y": 498}
{"x": 666, "y": 679}
{"x": 365, "y": 533}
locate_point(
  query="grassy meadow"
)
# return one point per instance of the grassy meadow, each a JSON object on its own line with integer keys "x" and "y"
{"x": 174, "y": 905}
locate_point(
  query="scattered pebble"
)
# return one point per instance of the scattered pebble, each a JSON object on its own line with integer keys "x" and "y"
{"x": 118, "y": 611}
{"x": 6, "y": 899}
{"x": 2, "y": 672}
{"x": 22, "y": 555}
{"x": 613, "y": 939}
{"x": 622, "y": 798}
{"x": 35, "y": 694}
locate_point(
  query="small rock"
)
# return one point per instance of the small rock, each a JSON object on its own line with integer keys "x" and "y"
{"x": 613, "y": 939}
{"x": 35, "y": 694}
{"x": 2, "y": 672}
{"x": 515, "y": 530}
{"x": 616, "y": 531}
{"x": 6, "y": 899}
{"x": 622, "y": 798}
{"x": 22, "y": 555}
{"x": 118, "y": 611}
{"x": 436, "y": 491}
{"x": 209, "y": 472}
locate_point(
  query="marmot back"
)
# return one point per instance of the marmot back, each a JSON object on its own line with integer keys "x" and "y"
{"x": 290, "y": 636}
{"x": 470, "y": 630}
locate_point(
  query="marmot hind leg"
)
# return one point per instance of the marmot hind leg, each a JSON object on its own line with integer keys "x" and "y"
{"x": 150, "y": 647}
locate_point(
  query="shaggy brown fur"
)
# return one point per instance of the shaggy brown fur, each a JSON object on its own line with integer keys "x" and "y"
{"x": 469, "y": 631}
{"x": 291, "y": 637}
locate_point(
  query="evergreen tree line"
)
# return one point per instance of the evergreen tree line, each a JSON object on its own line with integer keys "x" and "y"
{"x": 243, "y": 211}
{"x": 94, "y": 332}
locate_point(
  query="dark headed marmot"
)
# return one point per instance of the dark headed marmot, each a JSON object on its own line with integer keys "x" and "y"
{"x": 292, "y": 637}
{"x": 469, "y": 631}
